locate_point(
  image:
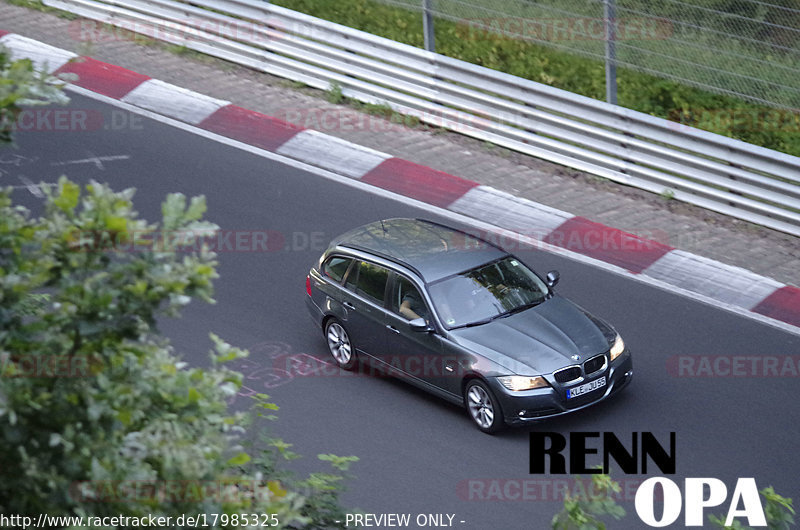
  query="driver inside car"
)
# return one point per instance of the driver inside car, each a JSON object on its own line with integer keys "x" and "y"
{"x": 412, "y": 306}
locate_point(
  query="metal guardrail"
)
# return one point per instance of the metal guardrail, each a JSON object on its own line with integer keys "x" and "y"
{"x": 712, "y": 171}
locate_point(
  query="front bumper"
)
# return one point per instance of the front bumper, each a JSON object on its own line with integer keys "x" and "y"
{"x": 520, "y": 408}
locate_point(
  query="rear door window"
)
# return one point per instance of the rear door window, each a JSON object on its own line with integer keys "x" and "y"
{"x": 371, "y": 281}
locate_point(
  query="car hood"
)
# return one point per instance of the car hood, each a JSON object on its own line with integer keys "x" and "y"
{"x": 538, "y": 340}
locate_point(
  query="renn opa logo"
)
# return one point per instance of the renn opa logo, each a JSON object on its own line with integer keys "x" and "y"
{"x": 698, "y": 493}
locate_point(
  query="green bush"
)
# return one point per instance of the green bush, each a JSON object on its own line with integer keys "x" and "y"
{"x": 98, "y": 416}
{"x": 115, "y": 407}
{"x": 584, "y": 511}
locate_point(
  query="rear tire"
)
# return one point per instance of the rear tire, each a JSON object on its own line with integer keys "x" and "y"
{"x": 340, "y": 345}
{"x": 483, "y": 407}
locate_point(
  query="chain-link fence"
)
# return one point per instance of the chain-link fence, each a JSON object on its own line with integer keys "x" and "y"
{"x": 744, "y": 48}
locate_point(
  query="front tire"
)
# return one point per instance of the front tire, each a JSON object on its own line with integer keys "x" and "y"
{"x": 483, "y": 407}
{"x": 340, "y": 345}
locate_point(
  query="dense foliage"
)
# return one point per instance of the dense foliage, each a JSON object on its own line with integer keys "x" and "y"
{"x": 98, "y": 416}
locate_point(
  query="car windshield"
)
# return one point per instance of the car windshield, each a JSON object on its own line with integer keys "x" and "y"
{"x": 487, "y": 292}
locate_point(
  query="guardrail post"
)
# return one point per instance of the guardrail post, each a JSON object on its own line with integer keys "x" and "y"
{"x": 427, "y": 25}
{"x": 610, "y": 14}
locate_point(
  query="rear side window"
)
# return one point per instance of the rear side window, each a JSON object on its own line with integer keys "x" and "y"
{"x": 371, "y": 282}
{"x": 335, "y": 267}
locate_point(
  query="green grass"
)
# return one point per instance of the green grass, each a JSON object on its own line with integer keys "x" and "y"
{"x": 743, "y": 46}
{"x": 335, "y": 94}
{"x": 726, "y": 115}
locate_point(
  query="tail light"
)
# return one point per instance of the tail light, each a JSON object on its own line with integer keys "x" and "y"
{"x": 308, "y": 285}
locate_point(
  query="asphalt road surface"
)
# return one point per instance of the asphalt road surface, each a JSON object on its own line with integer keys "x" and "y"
{"x": 420, "y": 455}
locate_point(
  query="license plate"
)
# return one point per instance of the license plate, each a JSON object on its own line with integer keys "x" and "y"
{"x": 586, "y": 388}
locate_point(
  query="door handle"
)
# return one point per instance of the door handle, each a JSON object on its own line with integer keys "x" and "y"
{"x": 348, "y": 305}
{"x": 449, "y": 366}
{"x": 392, "y": 329}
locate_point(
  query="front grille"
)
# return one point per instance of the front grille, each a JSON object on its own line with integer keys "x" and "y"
{"x": 596, "y": 363}
{"x": 565, "y": 375}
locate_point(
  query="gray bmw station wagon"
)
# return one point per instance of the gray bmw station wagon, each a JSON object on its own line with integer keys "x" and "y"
{"x": 463, "y": 319}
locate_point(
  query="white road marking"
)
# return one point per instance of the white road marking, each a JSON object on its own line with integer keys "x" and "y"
{"x": 35, "y": 189}
{"x": 727, "y": 283}
{"x": 16, "y": 160}
{"x": 96, "y": 160}
{"x": 173, "y": 101}
{"x": 333, "y": 153}
{"x": 509, "y": 212}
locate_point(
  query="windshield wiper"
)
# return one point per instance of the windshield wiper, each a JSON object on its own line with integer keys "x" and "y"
{"x": 522, "y": 307}
{"x": 479, "y": 322}
{"x": 510, "y": 312}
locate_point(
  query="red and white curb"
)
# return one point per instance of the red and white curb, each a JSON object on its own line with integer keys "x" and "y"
{"x": 712, "y": 280}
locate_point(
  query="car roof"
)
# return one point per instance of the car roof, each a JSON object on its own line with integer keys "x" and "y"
{"x": 431, "y": 249}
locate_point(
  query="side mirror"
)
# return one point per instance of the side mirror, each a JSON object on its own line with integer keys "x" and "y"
{"x": 552, "y": 278}
{"x": 419, "y": 324}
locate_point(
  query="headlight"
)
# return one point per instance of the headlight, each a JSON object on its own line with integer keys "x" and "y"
{"x": 617, "y": 348}
{"x": 519, "y": 382}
